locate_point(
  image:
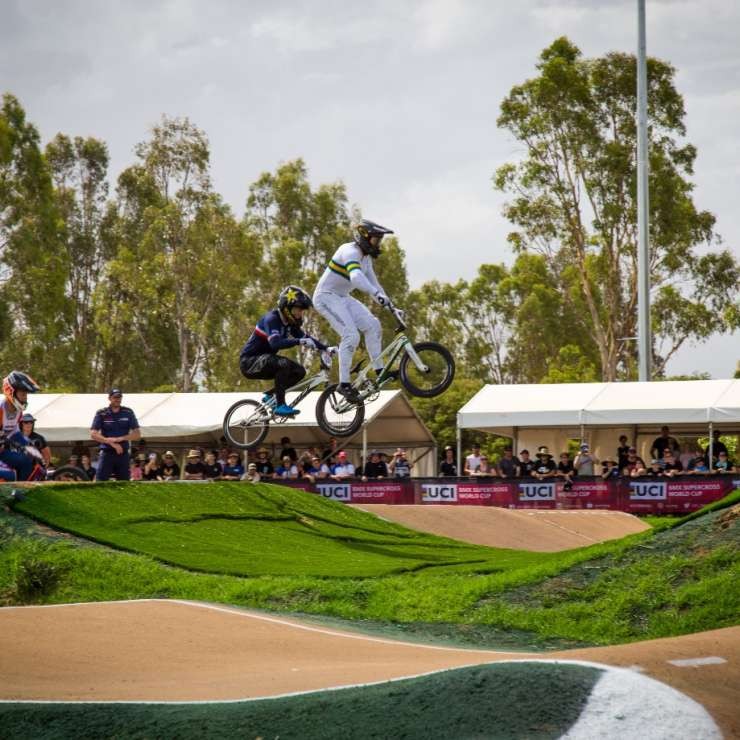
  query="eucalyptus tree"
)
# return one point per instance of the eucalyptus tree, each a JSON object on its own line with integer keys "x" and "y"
{"x": 574, "y": 202}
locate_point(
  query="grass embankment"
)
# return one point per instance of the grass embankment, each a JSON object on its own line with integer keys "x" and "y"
{"x": 302, "y": 554}
{"x": 500, "y": 700}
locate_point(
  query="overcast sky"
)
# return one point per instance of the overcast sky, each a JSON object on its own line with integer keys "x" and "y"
{"x": 397, "y": 99}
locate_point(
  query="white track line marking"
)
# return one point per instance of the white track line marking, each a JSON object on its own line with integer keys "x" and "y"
{"x": 692, "y": 662}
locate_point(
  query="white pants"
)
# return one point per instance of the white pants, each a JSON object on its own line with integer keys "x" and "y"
{"x": 348, "y": 317}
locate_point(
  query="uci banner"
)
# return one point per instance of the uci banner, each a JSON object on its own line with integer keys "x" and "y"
{"x": 638, "y": 495}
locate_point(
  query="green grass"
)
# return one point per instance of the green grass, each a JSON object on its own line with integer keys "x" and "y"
{"x": 658, "y": 583}
{"x": 505, "y": 701}
{"x": 256, "y": 530}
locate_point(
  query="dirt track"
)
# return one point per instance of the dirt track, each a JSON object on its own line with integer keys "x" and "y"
{"x": 522, "y": 529}
{"x": 166, "y": 650}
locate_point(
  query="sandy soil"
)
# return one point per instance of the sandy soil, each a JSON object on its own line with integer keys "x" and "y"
{"x": 168, "y": 650}
{"x": 522, "y": 529}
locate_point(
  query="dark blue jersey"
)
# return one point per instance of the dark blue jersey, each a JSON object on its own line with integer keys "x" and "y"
{"x": 115, "y": 424}
{"x": 272, "y": 334}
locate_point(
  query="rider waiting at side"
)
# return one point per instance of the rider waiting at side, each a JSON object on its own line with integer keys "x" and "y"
{"x": 16, "y": 387}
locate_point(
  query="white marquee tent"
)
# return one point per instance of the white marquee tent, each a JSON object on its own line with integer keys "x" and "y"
{"x": 549, "y": 415}
{"x": 179, "y": 420}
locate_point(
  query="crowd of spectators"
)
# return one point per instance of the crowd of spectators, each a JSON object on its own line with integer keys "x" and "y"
{"x": 667, "y": 459}
{"x": 198, "y": 464}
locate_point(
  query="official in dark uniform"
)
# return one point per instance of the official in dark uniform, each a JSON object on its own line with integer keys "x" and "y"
{"x": 114, "y": 427}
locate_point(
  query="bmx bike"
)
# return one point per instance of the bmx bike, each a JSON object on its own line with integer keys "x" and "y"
{"x": 39, "y": 472}
{"x": 425, "y": 369}
{"x": 247, "y": 422}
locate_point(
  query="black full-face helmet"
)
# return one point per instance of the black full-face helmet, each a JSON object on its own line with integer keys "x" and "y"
{"x": 368, "y": 236}
{"x": 293, "y": 297}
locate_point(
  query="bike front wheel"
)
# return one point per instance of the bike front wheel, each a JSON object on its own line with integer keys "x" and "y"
{"x": 438, "y": 372}
{"x": 336, "y": 415}
{"x": 70, "y": 473}
{"x": 246, "y": 424}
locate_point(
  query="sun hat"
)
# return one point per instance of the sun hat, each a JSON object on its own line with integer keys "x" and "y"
{"x": 169, "y": 453}
{"x": 193, "y": 453}
{"x": 252, "y": 466}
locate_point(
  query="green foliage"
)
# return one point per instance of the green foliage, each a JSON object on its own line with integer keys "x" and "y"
{"x": 574, "y": 202}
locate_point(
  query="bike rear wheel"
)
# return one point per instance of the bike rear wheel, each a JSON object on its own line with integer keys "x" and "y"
{"x": 246, "y": 424}
{"x": 336, "y": 415}
{"x": 439, "y": 374}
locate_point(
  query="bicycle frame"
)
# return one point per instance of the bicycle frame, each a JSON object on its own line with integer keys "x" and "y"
{"x": 366, "y": 385}
{"x": 307, "y": 385}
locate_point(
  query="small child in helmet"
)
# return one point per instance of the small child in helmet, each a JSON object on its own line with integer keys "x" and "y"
{"x": 351, "y": 267}
{"x": 279, "y": 329}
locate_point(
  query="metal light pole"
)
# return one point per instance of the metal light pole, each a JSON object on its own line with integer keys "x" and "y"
{"x": 643, "y": 254}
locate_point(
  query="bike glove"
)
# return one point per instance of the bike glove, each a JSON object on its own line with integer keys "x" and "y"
{"x": 381, "y": 299}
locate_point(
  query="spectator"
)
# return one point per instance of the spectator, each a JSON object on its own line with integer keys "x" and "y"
{"x": 307, "y": 456}
{"x": 223, "y": 457}
{"x": 584, "y": 462}
{"x": 635, "y": 464}
{"x": 311, "y": 469}
{"x": 321, "y": 468}
{"x": 654, "y": 471}
{"x": 114, "y": 427}
{"x": 153, "y": 468}
{"x": 508, "y": 465}
{"x": 526, "y": 466}
{"x": 485, "y": 469}
{"x": 288, "y": 449}
{"x": 86, "y": 465}
{"x": 264, "y": 466}
{"x": 233, "y": 470}
{"x": 170, "y": 468}
{"x": 609, "y": 469}
{"x": 472, "y": 461}
{"x": 74, "y": 461}
{"x": 448, "y": 466}
{"x": 400, "y": 466}
{"x": 622, "y": 451}
{"x": 251, "y": 475}
{"x": 724, "y": 464}
{"x": 27, "y": 424}
{"x": 545, "y": 466}
{"x": 687, "y": 456}
{"x": 566, "y": 471}
{"x": 717, "y": 446}
{"x": 663, "y": 443}
{"x": 343, "y": 469}
{"x": 700, "y": 466}
{"x": 287, "y": 470}
{"x": 137, "y": 467}
{"x": 194, "y": 467}
{"x": 671, "y": 464}
{"x": 375, "y": 468}
{"x": 212, "y": 468}
{"x": 331, "y": 451}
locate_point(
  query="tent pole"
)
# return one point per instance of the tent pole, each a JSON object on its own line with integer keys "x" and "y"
{"x": 458, "y": 439}
{"x": 515, "y": 440}
{"x": 364, "y": 446}
{"x": 710, "y": 454}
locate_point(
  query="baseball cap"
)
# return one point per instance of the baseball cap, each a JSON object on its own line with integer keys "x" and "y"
{"x": 584, "y": 446}
{"x": 169, "y": 453}
{"x": 252, "y": 466}
{"x": 193, "y": 453}
{"x": 115, "y": 392}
